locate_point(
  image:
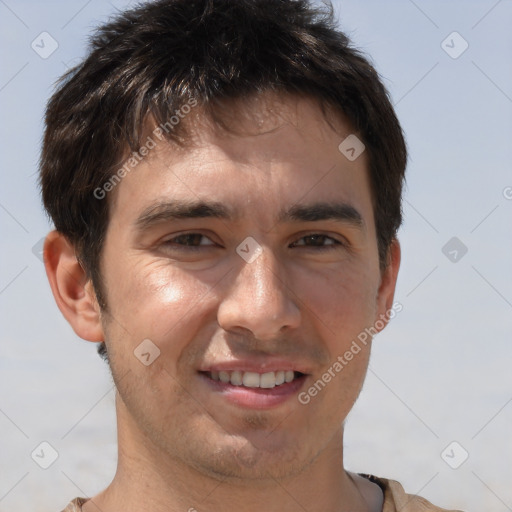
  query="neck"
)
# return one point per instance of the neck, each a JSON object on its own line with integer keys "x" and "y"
{"x": 148, "y": 479}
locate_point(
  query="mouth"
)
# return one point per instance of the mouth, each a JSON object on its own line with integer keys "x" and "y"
{"x": 266, "y": 380}
{"x": 255, "y": 390}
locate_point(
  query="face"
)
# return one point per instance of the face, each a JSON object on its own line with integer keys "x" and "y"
{"x": 246, "y": 260}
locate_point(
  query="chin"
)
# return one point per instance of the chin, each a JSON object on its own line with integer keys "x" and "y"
{"x": 261, "y": 459}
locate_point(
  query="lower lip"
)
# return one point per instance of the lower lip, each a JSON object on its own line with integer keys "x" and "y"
{"x": 256, "y": 398}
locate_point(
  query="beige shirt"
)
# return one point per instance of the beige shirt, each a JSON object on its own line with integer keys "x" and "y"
{"x": 395, "y": 499}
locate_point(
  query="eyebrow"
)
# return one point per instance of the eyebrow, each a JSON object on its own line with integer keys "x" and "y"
{"x": 337, "y": 211}
{"x": 167, "y": 211}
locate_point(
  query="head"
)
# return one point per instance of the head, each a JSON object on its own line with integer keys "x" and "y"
{"x": 237, "y": 107}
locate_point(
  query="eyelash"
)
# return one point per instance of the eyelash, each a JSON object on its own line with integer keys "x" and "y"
{"x": 336, "y": 245}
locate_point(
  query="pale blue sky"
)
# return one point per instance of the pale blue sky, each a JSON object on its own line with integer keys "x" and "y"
{"x": 439, "y": 372}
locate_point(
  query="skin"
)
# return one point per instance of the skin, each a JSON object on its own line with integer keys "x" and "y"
{"x": 182, "y": 445}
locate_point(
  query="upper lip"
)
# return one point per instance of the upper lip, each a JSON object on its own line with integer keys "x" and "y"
{"x": 257, "y": 366}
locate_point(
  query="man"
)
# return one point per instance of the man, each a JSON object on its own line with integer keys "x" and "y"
{"x": 225, "y": 181}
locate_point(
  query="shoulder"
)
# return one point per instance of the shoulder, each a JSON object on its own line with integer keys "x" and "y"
{"x": 75, "y": 505}
{"x": 396, "y": 499}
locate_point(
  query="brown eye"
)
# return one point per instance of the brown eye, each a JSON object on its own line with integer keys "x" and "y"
{"x": 192, "y": 240}
{"x": 319, "y": 241}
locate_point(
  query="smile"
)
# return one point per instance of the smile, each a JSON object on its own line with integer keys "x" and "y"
{"x": 266, "y": 380}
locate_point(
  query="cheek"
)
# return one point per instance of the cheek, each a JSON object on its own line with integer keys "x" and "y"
{"x": 167, "y": 306}
{"x": 342, "y": 302}
{"x": 157, "y": 301}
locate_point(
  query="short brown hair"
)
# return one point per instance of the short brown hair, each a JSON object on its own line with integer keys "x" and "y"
{"x": 151, "y": 60}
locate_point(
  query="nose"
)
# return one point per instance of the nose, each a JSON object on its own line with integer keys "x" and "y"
{"x": 259, "y": 299}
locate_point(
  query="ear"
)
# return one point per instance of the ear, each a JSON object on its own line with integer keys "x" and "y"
{"x": 387, "y": 286}
{"x": 72, "y": 291}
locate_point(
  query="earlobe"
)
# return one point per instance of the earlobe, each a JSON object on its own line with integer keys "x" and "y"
{"x": 72, "y": 291}
{"x": 388, "y": 284}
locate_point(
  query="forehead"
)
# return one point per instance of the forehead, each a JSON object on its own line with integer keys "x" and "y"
{"x": 278, "y": 148}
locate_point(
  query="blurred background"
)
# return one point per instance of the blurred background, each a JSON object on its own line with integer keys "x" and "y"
{"x": 436, "y": 409}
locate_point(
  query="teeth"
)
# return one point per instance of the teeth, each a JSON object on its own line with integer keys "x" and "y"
{"x": 254, "y": 380}
{"x": 279, "y": 377}
{"x": 224, "y": 376}
{"x": 268, "y": 380}
{"x": 251, "y": 379}
{"x": 236, "y": 378}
